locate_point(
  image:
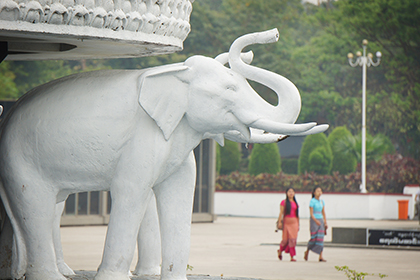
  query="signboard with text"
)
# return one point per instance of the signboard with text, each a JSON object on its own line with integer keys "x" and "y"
{"x": 394, "y": 237}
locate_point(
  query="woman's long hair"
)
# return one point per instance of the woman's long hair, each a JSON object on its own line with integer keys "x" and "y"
{"x": 313, "y": 192}
{"x": 289, "y": 205}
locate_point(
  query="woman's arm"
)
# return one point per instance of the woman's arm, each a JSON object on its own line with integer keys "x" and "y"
{"x": 298, "y": 223}
{"x": 325, "y": 217}
{"x": 280, "y": 220}
{"x": 311, "y": 210}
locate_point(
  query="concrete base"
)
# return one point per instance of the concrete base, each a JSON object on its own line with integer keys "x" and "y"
{"x": 349, "y": 235}
{"x": 88, "y": 275}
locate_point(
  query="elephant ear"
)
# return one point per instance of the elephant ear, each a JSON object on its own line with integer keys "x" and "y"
{"x": 164, "y": 96}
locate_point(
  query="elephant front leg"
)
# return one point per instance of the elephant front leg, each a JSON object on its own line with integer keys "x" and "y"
{"x": 148, "y": 242}
{"x": 128, "y": 207}
{"x": 174, "y": 202}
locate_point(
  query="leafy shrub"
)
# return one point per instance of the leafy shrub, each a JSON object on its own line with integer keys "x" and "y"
{"x": 315, "y": 155}
{"x": 392, "y": 173}
{"x": 289, "y": 165}
{"x": 320, "y": 161}
{"x": 230, "y": 157}
{"x": 342, "y": 162}
{"x": 389, "y": 175}
{"x": 354, "y": 275}
{"x": 376, "y": 146}
{"x": 387, "y": 147}
{"x": 280, "y": 182}
{"x": 264, "y": 158}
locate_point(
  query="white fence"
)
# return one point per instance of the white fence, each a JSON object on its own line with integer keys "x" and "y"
{"x": 337, "y": 205}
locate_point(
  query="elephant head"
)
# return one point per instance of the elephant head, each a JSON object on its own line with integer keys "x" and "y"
{"x": 216, "y": 99}
{"x": 288, "y": 108}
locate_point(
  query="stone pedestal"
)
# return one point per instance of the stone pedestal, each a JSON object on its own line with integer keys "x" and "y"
{"x": 82, "y": 29}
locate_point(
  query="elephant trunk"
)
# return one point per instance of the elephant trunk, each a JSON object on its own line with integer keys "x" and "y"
{"x": 289, "y": 102}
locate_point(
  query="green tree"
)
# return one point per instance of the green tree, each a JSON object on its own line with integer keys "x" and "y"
{"x": 230, "y": 157}
{"x": 264, "y": 158}
{"x": 143, "y": 62}
{"x": 320, "y": 161}
{"x": 30, "y": 74}
{"x": 8, "y": 89}
{"x": 342, "y": 162}
{"x": 393, "y": 27}
{"x": 376, "y": 146}
{"x": 218, "y": 159}
{"x": 315, "y": 155}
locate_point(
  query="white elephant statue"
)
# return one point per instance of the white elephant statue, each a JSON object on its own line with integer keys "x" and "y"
{"x": 131, "y": 132}
{"x": 148, "y": 244}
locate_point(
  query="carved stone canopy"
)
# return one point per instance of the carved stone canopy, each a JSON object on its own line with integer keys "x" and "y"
{"x": 78, "y": 29}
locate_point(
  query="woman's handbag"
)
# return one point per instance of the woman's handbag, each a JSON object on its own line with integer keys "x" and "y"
{"x": 277, "y": 228}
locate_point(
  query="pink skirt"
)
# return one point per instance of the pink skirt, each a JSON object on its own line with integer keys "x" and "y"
{"x": 290, "y": 233}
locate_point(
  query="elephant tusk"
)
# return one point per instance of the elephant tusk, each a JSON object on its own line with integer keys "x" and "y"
{"x": 282, "y": 128}
{"x": 316, "y": 129}
{"x": 260, "y": 137}
{"x": 266, "y": 138}
{"x": 257, "y": 136}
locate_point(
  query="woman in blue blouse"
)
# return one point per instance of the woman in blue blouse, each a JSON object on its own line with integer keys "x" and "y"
{"x": 318, "y": 224}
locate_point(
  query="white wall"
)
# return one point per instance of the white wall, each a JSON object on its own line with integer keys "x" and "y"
{"x": 337, "y": 206}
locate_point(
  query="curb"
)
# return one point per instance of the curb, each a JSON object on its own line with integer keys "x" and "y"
{"x": 353, "y": 246}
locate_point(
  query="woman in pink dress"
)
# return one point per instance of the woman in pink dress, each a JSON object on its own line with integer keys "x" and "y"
{"x": 288, "y": 222}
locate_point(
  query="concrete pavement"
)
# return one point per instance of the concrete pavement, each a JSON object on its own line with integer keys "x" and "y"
{"x": 244, "y": 247}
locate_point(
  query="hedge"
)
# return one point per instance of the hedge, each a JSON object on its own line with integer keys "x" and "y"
{"x": 342, "y": 162}
{"x": 315, "y": 155}
{"x": 289, "y": 165}
{"x": 389, "y": 175}
{"x": 230, "y": 156}
{"x": 264, "y": 158}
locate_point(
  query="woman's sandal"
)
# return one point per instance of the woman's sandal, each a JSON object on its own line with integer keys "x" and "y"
{"x": 305, "y": 257}
{"x": 322, "y": 260}
{"x": 292, "y": 260}
{"x": 279, "y": 255}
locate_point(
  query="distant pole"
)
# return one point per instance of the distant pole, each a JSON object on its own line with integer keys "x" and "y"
{"x": 364, "y": 61}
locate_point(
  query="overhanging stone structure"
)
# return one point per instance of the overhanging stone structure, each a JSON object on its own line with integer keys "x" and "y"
{"x": 82, "y": 29}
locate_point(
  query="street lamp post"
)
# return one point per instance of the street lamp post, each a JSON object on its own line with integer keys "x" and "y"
{"x": 364, "y": 61}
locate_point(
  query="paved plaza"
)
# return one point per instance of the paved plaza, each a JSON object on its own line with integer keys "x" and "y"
{"x": 237, "y": 247}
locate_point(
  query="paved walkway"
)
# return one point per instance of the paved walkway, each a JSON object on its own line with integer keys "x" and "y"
{"x": 243, "y": 247}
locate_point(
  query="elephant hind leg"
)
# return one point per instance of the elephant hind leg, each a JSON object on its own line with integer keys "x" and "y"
{"x": 6, "y": 246}
{"x": 128, "y": 208}
{"x": 13, "y": 262}
{"x": 33, "y": 211}
{"x": 62, "y": 266}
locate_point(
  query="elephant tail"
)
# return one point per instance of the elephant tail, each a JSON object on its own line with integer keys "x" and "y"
{"x": 12, "y": 245}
